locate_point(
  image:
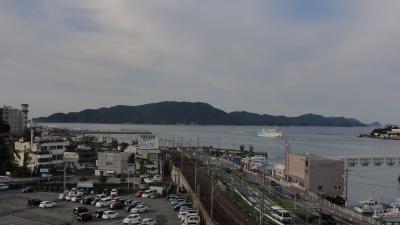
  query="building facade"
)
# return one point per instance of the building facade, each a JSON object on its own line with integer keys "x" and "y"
{"x": 316, "y": 173}
{"x": 81, "y": 157}
{"x": 16, "y": 118}
{"x": 40, "y": 153}
{"x": 114, "y": 163}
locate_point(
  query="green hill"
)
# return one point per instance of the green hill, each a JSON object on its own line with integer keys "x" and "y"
{"x": 190, "y": 113}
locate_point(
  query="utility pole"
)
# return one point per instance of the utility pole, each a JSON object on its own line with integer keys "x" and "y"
{"x": 346, "y": 184}
{"x": 212, "y": 196}
{"x": 195, "y": 176}
{"x": 65, "y": 177}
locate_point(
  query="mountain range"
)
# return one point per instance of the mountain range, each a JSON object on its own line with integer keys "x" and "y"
{"x": 200, "y": 113}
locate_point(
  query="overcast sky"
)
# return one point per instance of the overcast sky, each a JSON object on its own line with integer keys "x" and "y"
{"x": 335, "y": 58}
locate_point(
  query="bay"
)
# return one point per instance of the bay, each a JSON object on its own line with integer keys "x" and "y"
{"x": 380, "y": 182}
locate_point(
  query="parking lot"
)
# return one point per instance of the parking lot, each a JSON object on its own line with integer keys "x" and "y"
{"x": 14, "y": 210}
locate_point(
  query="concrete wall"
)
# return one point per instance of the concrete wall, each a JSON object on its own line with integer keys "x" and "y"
{"x": 328, "y": 174}
{"x": 296, "y": 166}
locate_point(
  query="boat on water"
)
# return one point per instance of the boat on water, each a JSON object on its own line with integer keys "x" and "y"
{"x": 389, "y": 216}
{"x": 270, "y": 132}
{"x": 369, "y": 206}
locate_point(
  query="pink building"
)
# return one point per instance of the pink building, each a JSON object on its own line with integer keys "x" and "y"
{"x": 316, "y": 173}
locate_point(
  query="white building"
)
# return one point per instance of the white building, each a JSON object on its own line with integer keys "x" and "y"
{"x": 113, "y": 163}
{"x": 43, "y": 153}
{"x": 16, "y": 118}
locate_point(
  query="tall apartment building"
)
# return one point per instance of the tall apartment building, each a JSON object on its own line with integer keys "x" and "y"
{"x": 16, "y": 118}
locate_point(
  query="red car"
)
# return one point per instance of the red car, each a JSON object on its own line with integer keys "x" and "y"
{"x": 138, "y": 194}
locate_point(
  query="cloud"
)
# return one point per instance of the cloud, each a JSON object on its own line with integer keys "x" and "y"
{"x": 277, "y": 57}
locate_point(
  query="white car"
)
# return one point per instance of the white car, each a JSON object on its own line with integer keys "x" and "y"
{"x": 114, "y": 192}
{"x": 183, "y": 213}
{"x": 146, "y": 193}
{"x": 188, "y": 215}
{"x": 157, "y": 178}
{"x": 47, "y": 204}
{"x": 148, "y": 221}
{"x": 3, "y": 187}
{"x": 107, "y": 215}
{"x": 132, "y": 218}
{"x": 104, "y": 202}
{"x": 139, "y": 209}
{"x": 192, "y": 219}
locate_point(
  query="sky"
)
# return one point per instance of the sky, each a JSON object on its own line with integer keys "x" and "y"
{"x": 279, "y": 57}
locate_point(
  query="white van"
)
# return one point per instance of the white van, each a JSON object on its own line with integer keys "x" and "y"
{"x": 104, "y": 202}
{"x": 281, "y": 214}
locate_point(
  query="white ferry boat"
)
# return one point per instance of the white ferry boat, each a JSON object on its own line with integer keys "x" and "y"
{"x": 369, "y": 206}
{"x": 270, "y": 132}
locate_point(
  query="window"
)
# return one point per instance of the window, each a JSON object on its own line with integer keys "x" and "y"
{"x": 108, "y": 163}
{"x": 319, "y": 187}
{"x": 60, "y": 147}
{"x": 43, "y": 148}
{"x": 52, "y": 147}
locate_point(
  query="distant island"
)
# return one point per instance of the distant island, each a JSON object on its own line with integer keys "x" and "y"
{"x": 391, "y": 132}
{"x": 198, "y": 113}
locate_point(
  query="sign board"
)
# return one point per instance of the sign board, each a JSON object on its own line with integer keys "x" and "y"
{"x": 86, "y": 184}
{"x": 44, "y": 175}
{"x": 44, "y": 170}
{"x": 8, "y": 173}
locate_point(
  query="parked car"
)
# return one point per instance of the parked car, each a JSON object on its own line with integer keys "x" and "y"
{"x": 139, "y": 209}
{"x": 84, "y": 217}
{"x": 177, "y": 202}
{"x": 72, "y": 191}
{"x": 79, "y": 209}
{"x": 192, "y": 219}
{"x": 94, "y": 201}
{"x": 185, "y": 212}
{"x": 188, "y": 215}
{"x": 47, "y": 204}
{"x": 114, "y": 192}
{"x": 62, "y": 195}
{"x": 107, "y": 215}
{"x": 76, "y": 198}
{"x": 132, "y": 219}
{"x": 3, "y": 187}
{"x": 100, "y": 196}
{"x": 138, "y": 194}
{"x": 99, "y": 214}
{"x": 34, "y": 202}
{"x": 104, "y": 202}
{"x": 157, "y": 178}
{"x": 81, "y": 192}
{"x": 117, "y": 205}
{"x": 132, "y": 204}
{"x": 148, "y": 221}
{"x": 154, "y": 195}
{"x": 27, "y": 189}
{"x": 185, "y": 204}
{"x": 146, "y": 193}
{"x": 87, "y": 200}
{"x": 106, "y": 191}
